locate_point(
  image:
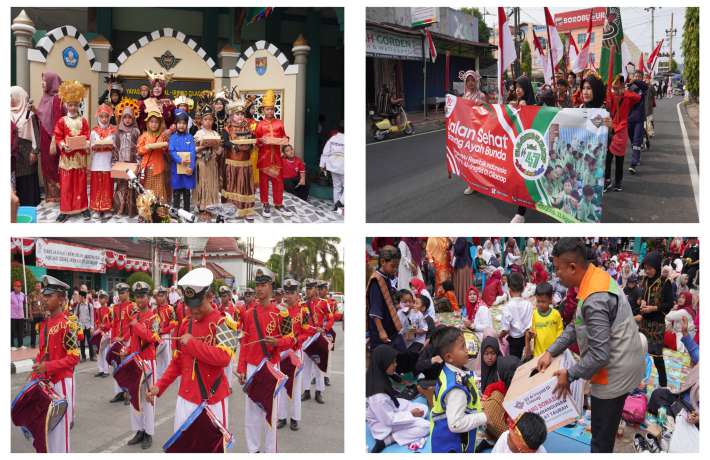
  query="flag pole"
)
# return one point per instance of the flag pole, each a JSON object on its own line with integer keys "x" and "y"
{"x": 549, "y": 51}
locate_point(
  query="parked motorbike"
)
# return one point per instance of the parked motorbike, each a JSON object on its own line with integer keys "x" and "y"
{"x": 384, "y": 126}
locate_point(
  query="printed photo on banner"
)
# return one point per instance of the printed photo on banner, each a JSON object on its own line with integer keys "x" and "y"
{"x": 177, "y": 345}
{"x": 540, "y": 114}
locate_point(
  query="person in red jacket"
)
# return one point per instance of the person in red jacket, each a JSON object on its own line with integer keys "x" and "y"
{"x": 168, "y": 322}
{"x": 57, "y": 356}
{"x": 619, "y": 101}
{"x": 493, "y": 288}
{"x": 267, "y": 331}
{"x": 207, "y": 342}
{"x": 119, "y": 330}
{"x": 226, "y": 306}
{"x": 332, "y": 310}
{"x": 292, "y": 408}
{"x": 319, "y": 320}
{"x": 144, "y": 335}
{"x": 270, "y": 136}
{"x": 103, "y": 322}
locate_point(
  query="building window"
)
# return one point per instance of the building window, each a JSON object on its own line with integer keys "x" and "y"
{"x": 581, "y": 38}
{"x": 591, "y": 41}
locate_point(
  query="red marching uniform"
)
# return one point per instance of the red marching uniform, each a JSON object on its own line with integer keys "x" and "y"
{"x": 269, "y": 161}
{"x": 144, "y": 335}
{"x": 319, "y": 315}
{"x": 210, "y": 351}
{"x": 168, "y": 320}
{"x": 121, "y": 317}
{"x": 272, "y": 322}
{"x": 58, "y": 348}
{"x": 104, "y": 319}
{"x": 72, "y": 165}
{"x": 181, "y": 312}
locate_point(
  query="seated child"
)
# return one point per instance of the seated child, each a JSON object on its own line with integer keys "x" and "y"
{"x": 517, "y": 316}
{"x": 456, "y": 412}
{"x": 546, "y": 322}
{"x": 294, "y": 173}
{"x": 413, "y": 327}
{"x": 449, "y": 294}
{"x": 389, "y": 418}
{"x": 526, "y": 435}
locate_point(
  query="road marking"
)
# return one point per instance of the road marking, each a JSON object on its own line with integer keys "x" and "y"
{"x": 122, "y": 442}
{"x": 406, "y": 137}
{"x": 692, "y": 168}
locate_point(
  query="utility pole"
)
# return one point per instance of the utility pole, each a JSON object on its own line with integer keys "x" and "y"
{"x": 652, "y": 10}
{"x": 516, "y": 22}
{"x": 424, "y": 70}
{"x": 283, "y": 254}
{"x": 671, "y": 33}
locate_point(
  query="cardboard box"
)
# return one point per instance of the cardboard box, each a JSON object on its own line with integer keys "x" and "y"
{"x": 532, "y": 391}
{"x": 118, "y": 169}
{"x": 185, "y": 167}
{"x": 76, "y": 143}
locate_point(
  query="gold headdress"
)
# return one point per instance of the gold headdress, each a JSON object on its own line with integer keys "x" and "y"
{"x": 127, "y": 103}
{"x": 71, "y": 91}
{"x": 183, "y": 99}
{"x": 268, "y": 99}
{"x": 204, "y": 102}
{"x": 160, "y": 77}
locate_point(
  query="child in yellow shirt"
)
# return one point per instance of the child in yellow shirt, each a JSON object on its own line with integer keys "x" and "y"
{"x": 546, "y": 323}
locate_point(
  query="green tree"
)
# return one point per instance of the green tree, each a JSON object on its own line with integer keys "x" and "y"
{"x": 16, "y": 275}
{"x": 307, "y": 257}
{"x": 690, "y": 47}
{"x": 274, "y": 264}
{"x": 674, "y": 66}
{"x": 140, "y": 276}
{"x": 525, "y": 59}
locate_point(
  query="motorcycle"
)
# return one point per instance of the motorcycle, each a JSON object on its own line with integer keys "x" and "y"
{"x": 384, "y": 126}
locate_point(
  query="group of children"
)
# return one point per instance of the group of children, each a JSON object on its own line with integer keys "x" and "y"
{"x": 193, "y": 155}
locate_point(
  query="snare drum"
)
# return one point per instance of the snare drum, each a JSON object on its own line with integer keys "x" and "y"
{"x": 37, "y": 409}
{"x": 317, "y": 348}
{"x": 290, "y": 365}
{"x": 202, "y": 432}
{"x": 132, "y": 375}
{"x": 264, "y": 385}
{"x": 113, "y": 356}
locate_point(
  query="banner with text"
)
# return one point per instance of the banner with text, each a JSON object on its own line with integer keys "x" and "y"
{"x": 545, "y": 158}
{"x": 56, "y": 255}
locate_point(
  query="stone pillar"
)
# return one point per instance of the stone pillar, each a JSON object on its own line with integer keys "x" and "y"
{"x": 300, "y": 52}
{"x": 102, "y": 50}
{"x": 227, "y": 59}
{"x": 23, "y": 28}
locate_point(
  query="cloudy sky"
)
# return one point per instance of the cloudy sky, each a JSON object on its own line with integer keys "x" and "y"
{"x": 636, "y": 24}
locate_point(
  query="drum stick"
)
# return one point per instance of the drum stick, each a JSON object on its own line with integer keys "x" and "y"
{"x": 257, "y": 341}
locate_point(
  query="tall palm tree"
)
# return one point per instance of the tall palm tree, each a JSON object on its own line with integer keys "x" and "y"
{"x": 307, "y": 257}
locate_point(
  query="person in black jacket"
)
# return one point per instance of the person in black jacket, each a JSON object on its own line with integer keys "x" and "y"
{"x": 637, "y": 120}
{"x": 633, "y": 294}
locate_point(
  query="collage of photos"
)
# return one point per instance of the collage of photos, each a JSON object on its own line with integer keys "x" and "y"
{"x": 224, "y": 331}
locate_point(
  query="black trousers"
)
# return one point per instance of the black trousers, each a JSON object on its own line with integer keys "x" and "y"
{"x": 618, "y": 168}
{"x": 181, "y": 194}
{"x": 17, "y": 332}
{"x": 606, "y": 415}
{"x": 85, "y": 343}
{"x": 661, "y": 368}
{"x": 407, "y": 361}
{"x": 516, "y": 346}
{"x": 33, "y": 331}
{"x": 301, "y": 192}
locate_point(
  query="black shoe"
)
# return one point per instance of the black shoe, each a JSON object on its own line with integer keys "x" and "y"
{"x": 137, "y": 438}
{"x": 378, "y": 447}
{"x": 104, "y": 375}
{"x": 306, "y": 395}
{"x": 93, "y": 359}
{"x": 327, "y": 380}
{"x": 607, "y": 185}
{"x": 147, "y": 442}
{"x": 281, "y": 423}
{"x": 632, "y": 170}
{"x": 618, "y": 188}
{"x": 126, "y": 399}
{"x": 61, "y": 218}
{"x": 99, "y": 374}
{"x": 83, "y": 358}
{"x": 294, "y": 425}
{"x": 319, "y": 398}
{"x": 118, "y": 398}
{"x": 86, "y": 214}
{"x": 266, "y": 211}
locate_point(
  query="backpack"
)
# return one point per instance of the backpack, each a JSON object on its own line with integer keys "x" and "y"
{"x": 635, "y": 407}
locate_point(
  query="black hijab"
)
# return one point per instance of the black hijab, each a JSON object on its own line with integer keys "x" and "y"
{"x": 507, "y": 365}
{"x": 488, "y": 373}
{"x": 524, "y": 83}
{"x": 598, "y": 90}
{"x": 376, "y": 379}
{"x": 653, "y": 259}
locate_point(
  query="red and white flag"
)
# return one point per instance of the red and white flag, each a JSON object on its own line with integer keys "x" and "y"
{"x": 653, "y": 57}
{"x": 189, "y": 259}
{"x": 506, "y": 51}
{"x": 555, "y": 48}
{"x": 175, "y": 267}
{"x": 572, "y": 51}
{"x": 541, "y": 60}
{"x": 432, "y": 48}
{"x": 204, "y": 259}
{"x": 583, "y": 58}
{"x": 642, "y": 65}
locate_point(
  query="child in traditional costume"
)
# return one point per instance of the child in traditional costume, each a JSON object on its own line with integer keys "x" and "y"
{"x": 238, "y": 183}
{"x": 157, "y": 98}
{"x": 152, "y": 151}
{"x": 182, "y": 153}
{"x": 208, "y": 149}
{"x": 270, "y": 134}
{"x": 73, "y": 158}
{"x": 112, "y": 96}
{"x": 127, "y": 134}
{"x": 103, "y": 139}
{"x": 186, "y": 104}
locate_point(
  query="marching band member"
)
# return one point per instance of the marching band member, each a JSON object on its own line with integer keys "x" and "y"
{"x": 57, "y": 357}
{"x": 292, "y": 409}
{"x": 226, "y": 306}
{"x": 104, "y": 320}
{"x": 168, "y": 322}
{"x": 144, "y": 326}
{"x": 119, "y": 330}
{"x": 332, "y": 310}
{"x": 207, "y": 342}
{"x": 267, "y": 332}
{"x": 317, "y": 322}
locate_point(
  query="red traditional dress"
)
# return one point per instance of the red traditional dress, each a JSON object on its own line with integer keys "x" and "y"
{"x": 72, "y": 165}
{"x": 101, "y": 198}
{"x": 269, "y": 161}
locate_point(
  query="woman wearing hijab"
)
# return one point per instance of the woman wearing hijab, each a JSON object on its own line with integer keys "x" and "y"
{"x": 50, "y": 110}
{"x": 488, "y": 251}
{"x": 684, "y": 308}
{"x": 539, "y": 274}
{"x": 462, "y": 269}
{"x": 478, "y": 316}
{"x": 390, "y": 419}
{"x": 411, "y": 251}
{"x": 437, "y": 250}
{"x": 496, "y": 368}
{"x": 493, "y": 288}
{"x": 419, "y": 288}
{"x": 472, "y": 92}
{"x": 656, "y": 302}
{"x": 24, "y": 155}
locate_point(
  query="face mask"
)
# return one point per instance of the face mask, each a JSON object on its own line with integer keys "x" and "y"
{"x": 404, "y": 307}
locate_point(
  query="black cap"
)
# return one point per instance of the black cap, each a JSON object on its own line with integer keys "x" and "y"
{"x": 50, "y": 285}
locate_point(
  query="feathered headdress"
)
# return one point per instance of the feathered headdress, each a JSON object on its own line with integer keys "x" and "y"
{"x": 113, "y": 83}
{"x": 183, "y": 99}
{"x": 162, "y": 78}
{"x": 237, "y": 102}
{"x": 71, "y": 91}
{"x": 128, "y": 104}
{"x": 204, "y": 102}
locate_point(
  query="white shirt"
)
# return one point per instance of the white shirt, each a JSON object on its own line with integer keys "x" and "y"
{"x": 517, "y": 317}
{"x": 457, "y": 419}
{"x": 482, "y": 320}
{"x": 332, "y": 157}
{"x": 502, "y": 447}
{"x": 413, "y": 319}
{"x": 100, "y": 161}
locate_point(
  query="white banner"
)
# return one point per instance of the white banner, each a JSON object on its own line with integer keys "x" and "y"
{"x": 385, "y": 44}
{"x": 56, "y": 255}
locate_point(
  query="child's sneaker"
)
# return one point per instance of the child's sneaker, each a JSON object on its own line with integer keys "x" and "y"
{"x": 618, "y": 188}
{"x": 266, "y": 212}
{"x": 607, "y": 185}
{"x": 284, "y": 211}
{"x": 632, "y": 170}
{"x": 640, "y": 444}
